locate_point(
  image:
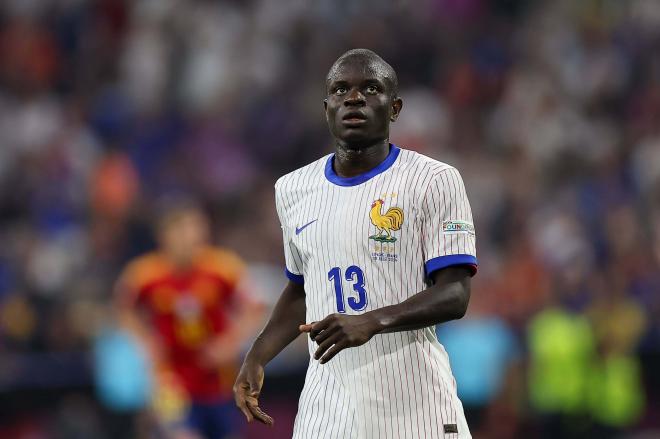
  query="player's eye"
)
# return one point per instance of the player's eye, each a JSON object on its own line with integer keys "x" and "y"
{"x": 372, "y": 89}
{"x": 340, "y": 91}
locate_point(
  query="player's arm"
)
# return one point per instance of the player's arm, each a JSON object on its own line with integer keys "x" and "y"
{"x": 447, "y": 299}
{"x": 281, "y": 329}
{"x": 247, "y": 315}
{"x": 131, "y": 319}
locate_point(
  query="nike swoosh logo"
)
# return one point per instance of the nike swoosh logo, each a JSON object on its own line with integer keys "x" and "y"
{"x": 300, "y": 229}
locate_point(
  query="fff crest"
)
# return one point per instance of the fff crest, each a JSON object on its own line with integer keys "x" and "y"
{"x": 385, "y": 223}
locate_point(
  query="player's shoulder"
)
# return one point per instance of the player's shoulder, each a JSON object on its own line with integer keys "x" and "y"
{"x": 146, "y": 269}
{"x": 419, "y": 163}
{"x": 302, "y": 176}
{"x": 220, "y": 255}
{"x": 221, "y": 262}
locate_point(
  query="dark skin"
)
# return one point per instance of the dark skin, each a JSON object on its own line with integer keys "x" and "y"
{"x": 360, "y": 105}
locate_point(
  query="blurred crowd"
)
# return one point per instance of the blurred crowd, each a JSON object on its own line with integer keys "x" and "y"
{"x": 549, "y": 108}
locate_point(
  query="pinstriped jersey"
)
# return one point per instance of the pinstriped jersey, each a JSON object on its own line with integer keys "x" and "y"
{"x": 362, "y": 243}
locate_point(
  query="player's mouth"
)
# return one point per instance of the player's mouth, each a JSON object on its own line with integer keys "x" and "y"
{"x": 354, "y": 118}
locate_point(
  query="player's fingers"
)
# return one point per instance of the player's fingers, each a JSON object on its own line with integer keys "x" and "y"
{"x": 307, "y": 327}
{"x": 334, "y": 350}
{"x": 262, "y": 417}
{"x": 246, "y": 412}
{"x": 318, "y": 327}
{"x": 259, "y": 414}
{"x": 239, "y": 398}
{"x": 326, "y": 344}
{"x": 324, "y": 335}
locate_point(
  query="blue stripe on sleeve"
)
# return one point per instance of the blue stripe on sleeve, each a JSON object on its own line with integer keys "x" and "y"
{"x": 450, "y": 260}
{"x": 295, "y": 278}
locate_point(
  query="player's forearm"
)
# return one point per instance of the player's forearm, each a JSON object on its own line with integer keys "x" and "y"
{"x": 446, "y": 300}
{"x": 244, "y": 325}
{"x": 131, "y": 322}
{"x": 251, "y": 320}
{"x": 282, "y": 327}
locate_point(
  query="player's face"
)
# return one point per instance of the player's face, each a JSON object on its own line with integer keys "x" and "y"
{"x": 183, "y": 235}
{"x": 360, "y": 104}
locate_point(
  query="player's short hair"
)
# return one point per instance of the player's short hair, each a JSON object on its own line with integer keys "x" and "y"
{"x": 172, "y": 207}
{"x": 374, "y": 59}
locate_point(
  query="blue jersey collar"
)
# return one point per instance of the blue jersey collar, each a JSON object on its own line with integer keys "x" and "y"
{"x": 359, "y": 179}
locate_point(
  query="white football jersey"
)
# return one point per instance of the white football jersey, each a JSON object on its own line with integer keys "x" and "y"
{"x": 362, "y": 243}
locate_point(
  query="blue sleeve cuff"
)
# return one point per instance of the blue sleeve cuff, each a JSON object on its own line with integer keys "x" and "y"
{"x": 296, "y": 278}
{"x": 450, "y": 260}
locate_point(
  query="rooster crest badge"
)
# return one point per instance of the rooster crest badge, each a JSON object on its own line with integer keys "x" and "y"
{"x": 386, "y": 222}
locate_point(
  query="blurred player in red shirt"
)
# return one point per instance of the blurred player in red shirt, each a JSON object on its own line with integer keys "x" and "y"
{"x": 187, "y": 304}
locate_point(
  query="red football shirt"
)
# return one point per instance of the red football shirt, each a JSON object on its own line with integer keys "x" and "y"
{"x": 187, "y": 309}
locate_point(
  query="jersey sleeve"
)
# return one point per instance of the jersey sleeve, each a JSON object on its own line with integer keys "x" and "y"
{"x": 293, "y": 261}
{"x": 227, "y": 264}
{"x": 448, "y": 236}
{"x": 129, "y": 287}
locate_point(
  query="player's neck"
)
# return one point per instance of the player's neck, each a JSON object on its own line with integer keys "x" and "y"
{"x": 180, "y": 262}
{"x": 352, "y": 160}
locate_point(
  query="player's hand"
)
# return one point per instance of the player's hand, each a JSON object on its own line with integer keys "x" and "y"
{"x": 221, "y": 352}
{"x": 339, "y": 331}
{"x": 246, "y": 393}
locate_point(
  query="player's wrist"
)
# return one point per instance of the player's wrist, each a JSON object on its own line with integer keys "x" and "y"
{"x": 254, "y": 359}
{"x": 378, "y": 320}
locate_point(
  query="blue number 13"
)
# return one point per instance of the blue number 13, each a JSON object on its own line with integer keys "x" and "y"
{"x": 353, "y": 274}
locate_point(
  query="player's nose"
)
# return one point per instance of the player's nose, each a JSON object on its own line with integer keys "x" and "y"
{"x": 354, "y": 97}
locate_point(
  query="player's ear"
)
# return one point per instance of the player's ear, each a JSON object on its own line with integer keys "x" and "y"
{"x": 325, "y": 104}
{"x": 397, "y": 105}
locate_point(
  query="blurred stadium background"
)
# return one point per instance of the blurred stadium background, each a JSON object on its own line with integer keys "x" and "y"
{"x": 550, "y": 109}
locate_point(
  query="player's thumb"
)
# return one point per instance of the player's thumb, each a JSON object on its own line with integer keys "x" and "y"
{"x": 254, "y": 389}
{"x": 307, "y": 327}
